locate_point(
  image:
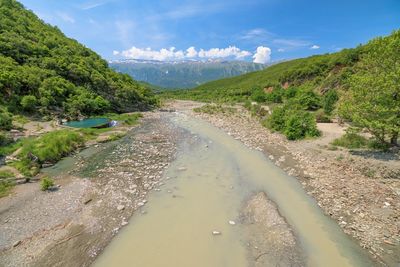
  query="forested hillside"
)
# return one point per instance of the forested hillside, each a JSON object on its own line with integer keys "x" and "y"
{"x": 44, "y": 72}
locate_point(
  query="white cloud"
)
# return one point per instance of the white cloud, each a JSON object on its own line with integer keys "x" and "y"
{"x": 115, "y": 53}
{"x": 65, "y": 17}
{"x": 262, "y": 55}
{"x": 281, "y": 50}
{"x": 191, "y": 52}
{"x": 231, "y": 51}
{"x": 257, "y": 33}
{"x": 288, "y": 44}
{"x": 314, "y": 47}
{"x": 173, "y": 54}
{"x": 161, "y": 55}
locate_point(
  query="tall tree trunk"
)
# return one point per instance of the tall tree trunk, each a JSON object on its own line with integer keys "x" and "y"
{"x": 393, "y": 139}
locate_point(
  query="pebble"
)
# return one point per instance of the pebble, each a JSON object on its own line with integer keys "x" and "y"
{"x": 232, "y": 222}
{"x": 120, "y": 207}
{"x": 216, "y": 233}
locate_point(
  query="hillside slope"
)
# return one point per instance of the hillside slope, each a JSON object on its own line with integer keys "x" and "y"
{"x": 322, "y": 71}
{"x": 42, "y": 70}
{"x": 185, "y": 74}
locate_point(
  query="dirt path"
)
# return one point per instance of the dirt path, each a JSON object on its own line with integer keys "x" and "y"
{"x": 360, "y": 191}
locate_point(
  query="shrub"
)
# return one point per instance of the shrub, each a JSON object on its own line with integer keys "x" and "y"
{"x": 29, "y": 102}
{"x": 309, "y": 100}
{"x": 276, "y": 96}
{"x": 258, "y": 96}
{"x": 46, "y": 183}
{"x": 277, "y": 119}
{"x": 329, "y": 100}
{"x": 5, "y": 120}
{"x": 300, "y": 124}
{"x": 293, "y": 122}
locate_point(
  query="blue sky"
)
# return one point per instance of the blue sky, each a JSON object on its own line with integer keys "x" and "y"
{"x": 262, "y": 31}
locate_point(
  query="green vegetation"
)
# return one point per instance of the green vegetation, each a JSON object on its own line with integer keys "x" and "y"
{"x": 6, "y": 182}
{"x": 213, "y": 109}
{"x": 129, "y": 119}
{"x": 372, "y": 101}
{"x": 292, "y": 122}
{"x": 49, "y": 147}
{"x": 360, "y": 85}
{"x": 44, "y": 72}
{"x": 351, "y": 140}
{"x": 46, "y": 183}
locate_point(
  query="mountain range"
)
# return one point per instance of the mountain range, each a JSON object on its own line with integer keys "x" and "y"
{"x": 182, "y": 74}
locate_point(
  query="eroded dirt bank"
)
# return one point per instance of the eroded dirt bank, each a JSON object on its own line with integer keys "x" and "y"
{"x": 360, "y": 191}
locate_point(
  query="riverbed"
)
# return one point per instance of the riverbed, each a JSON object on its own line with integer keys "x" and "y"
{"x": 195, "y": 220}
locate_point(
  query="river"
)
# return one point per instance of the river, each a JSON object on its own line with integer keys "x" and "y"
{"x": 206, "y": 185}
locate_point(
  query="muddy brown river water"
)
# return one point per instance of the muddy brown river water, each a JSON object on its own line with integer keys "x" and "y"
{"x": 206, "y": 186}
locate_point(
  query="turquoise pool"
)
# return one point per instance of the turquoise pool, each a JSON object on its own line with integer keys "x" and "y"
{"x": 88, "y": 123}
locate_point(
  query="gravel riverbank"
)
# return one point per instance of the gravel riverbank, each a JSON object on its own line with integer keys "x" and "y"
{"x": 70, "y": 226}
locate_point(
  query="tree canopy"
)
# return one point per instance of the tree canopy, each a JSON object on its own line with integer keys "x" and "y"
{"x": 41, "y": 69}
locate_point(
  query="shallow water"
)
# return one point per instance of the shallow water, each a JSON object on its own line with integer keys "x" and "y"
{"x": 87, "y": 123}
{"x": 220, "y": 173}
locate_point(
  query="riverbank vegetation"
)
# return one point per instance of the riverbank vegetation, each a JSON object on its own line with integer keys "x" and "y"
{"x": 358, "y": 86}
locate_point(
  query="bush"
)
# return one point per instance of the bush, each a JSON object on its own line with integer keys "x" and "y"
{"x": 276, "y": 96}
{"x": 329, "y": 100}
{"x": 5, "y": 187}
{"x": 46, "y": 183}
{"x": 277, "y": 119}
{"x": 258, "y": 96}
{"x": 309, "y": 100}
{"x": 5, "y": 120}
{"x": 300, "y": 124}
{"x": 29, "y": 102}
{"x": 294, "y": 123}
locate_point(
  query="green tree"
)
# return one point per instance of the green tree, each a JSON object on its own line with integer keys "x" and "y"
{"x": 29, "y": 102}
{"x": 373, "y": 99}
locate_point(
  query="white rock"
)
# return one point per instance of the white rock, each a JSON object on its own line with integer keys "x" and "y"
{"x": 120, "y": 207}
{"x": 232, "y": 222}
{"x": 216, "y": 233}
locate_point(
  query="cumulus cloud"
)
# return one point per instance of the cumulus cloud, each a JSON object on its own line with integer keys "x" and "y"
{"x": 191, "y": 52}
{"x": 173, "y": 54}
{"x": 262, "y": 55}
{"x": 231, "y": 51}
{"x": 314, "y": 47}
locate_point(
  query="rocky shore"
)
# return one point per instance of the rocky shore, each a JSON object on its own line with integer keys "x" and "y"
{"x": 360, "y": 191}
{"x": 70, "y": 226}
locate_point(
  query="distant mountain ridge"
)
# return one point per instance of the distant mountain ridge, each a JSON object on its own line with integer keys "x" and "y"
{"x": 182, "y": 74}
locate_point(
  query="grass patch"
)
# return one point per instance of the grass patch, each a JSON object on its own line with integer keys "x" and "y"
{"x": 129, "y": 119}
{"x": 10, "y": 148}
{"x": 20, "y": 119}
{"x": 214, "y": 109}
{"x": 351, "y": 140}
{"x": 46, "y": 183}
{"x": 5, "y": 187}
{"x": 49, "y": 147}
